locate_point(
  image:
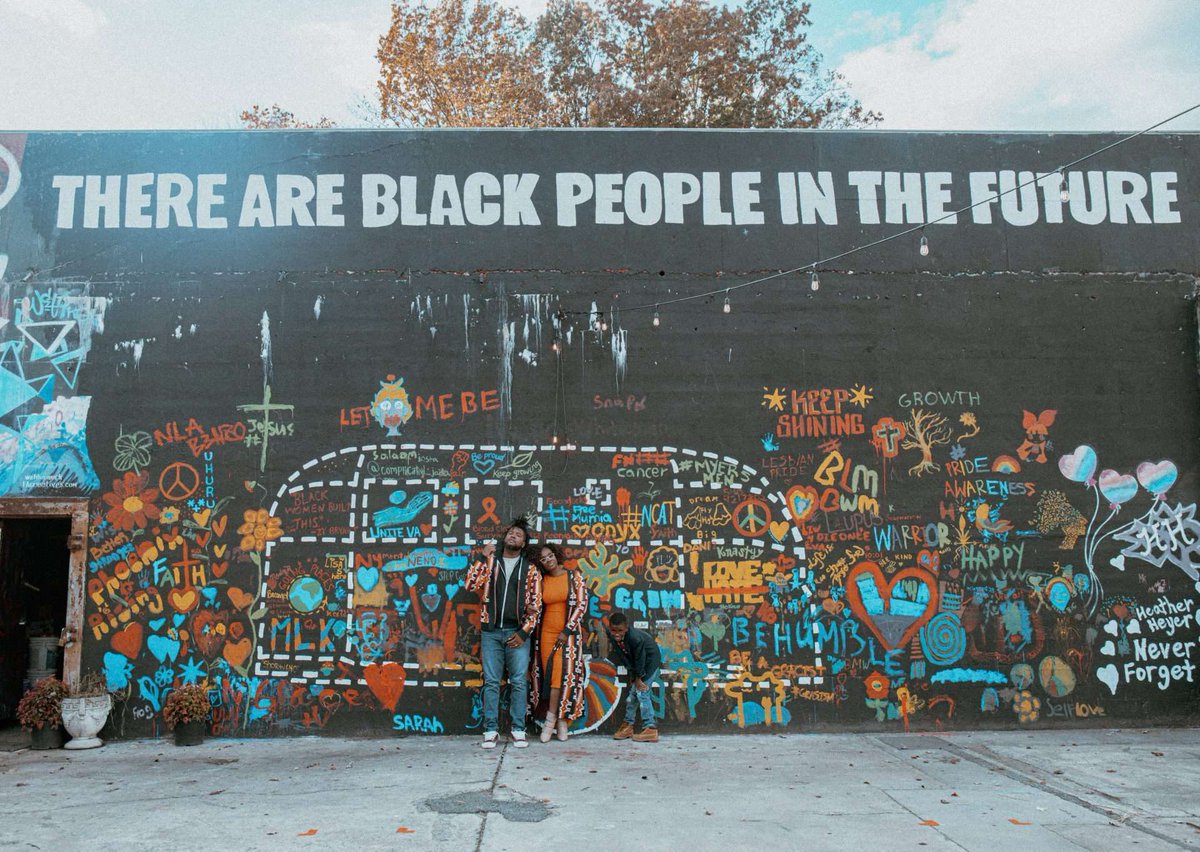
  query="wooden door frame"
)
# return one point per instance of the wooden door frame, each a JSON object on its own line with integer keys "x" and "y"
{"x": 77, "y": 511}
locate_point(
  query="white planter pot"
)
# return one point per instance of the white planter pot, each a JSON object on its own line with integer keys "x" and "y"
{"x": 83, "y": 718}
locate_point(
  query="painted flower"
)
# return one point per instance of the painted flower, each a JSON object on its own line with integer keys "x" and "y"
{"x": 877, "y": 685}
{"x": 1027, "y": 706}
{"x": 131, "y": 503}
{"x": 170, "y": 515}
{"x": 450, "y": 508}
{"x": 258, "y": 529}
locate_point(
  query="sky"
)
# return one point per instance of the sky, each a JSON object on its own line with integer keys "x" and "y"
{"x": 1043, "y": 65}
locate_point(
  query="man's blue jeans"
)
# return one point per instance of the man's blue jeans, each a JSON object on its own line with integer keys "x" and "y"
{"x": 497, "y": 658}
{"x": 637, "y": 698}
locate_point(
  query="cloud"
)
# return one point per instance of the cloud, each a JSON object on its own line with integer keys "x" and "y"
{"x": 73, "y": 18}
{"x": 1032, "y": 65}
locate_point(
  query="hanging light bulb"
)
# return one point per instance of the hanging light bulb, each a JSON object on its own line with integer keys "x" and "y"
{"x": 816, "y": 282}
{"x": 924, "y": 246}
{"x": 656, "y": 321}
{"x": 727, "y": 308}
{"x": 555, "y": 347}
{"x": 603, "y": 323}
{"x": 1064, "y": 194}
{"x": 554, "y": 440}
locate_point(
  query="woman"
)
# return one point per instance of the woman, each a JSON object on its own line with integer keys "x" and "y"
{"x": 558, "y": 674}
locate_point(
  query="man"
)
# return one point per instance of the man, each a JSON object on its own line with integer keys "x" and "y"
{"x": 637, "y": 651}
{"x": 510, "y": 597}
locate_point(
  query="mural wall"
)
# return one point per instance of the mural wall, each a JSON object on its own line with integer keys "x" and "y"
{"x": 942, "y": 492}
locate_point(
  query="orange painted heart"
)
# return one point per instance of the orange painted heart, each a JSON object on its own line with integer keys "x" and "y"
{"x": 201, "y": 518}
{"x": 802, "y": 502}
{"x": 779, "y": 530}
{"x": 128, "y": 640}
{"x": 894, "y": 610}
{"x": 236, "y": 629}
{"x": 235, "y": 653}
{"x": 219, "y": 568}
{"x": 427, "y": 529}
{"x": 218, "y": 525}
{"x": 219, "y": 550}
{"x": 238, "y": 598}
{"x": 386, "y": 681}
{"x": 202, "y": 539}
{"x": 183, "y": 600}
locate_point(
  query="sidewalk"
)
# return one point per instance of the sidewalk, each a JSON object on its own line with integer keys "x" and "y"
{"x": 1094, "y": 789}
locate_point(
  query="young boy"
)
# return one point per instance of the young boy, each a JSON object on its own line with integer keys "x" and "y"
{"x": 637, "y": 651}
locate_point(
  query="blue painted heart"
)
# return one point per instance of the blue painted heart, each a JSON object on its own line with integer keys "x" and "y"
{"x": 367, "y": 577}
{"x": 163, "y": 648}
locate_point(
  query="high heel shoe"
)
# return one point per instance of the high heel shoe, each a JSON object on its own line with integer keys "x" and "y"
{"x": 562, "y": 728}
{"x": 547, "y": 729}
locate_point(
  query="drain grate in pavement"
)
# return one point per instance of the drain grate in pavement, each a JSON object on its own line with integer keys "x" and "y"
{"x": 483, "y": 802}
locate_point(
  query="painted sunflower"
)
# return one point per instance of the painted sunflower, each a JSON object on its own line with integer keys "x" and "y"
{"x": 131, "y": 503}
{"x": 259, "y": 528}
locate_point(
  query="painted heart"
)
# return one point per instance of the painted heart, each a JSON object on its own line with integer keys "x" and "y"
{"x": 1118, "y": 562}
{"x": 1108, "y": 648}
{"x": 367, "y": 577}
{"x": 209, "y": 593}
{"x": 157, "y": 624}
{"x": 411, "y": 579}
{"x": 386, "y": 681}
{"x": 1080, "y": 465}
{"x": 579, "y": 530}
{"x": 801, "y": 502}
{"x": 1133, "y": 627}
{"x": 894, "y": 610}
{"x": 929, "y": 559}
{"x": 483, "y": 465}
{"x": 1107, "y": 675}
{"x": 201, "y": 518}
{"x": 163, "y": 648}
{"x": 218, "y": 525}
{"x": 779, "y": 530}
{"x": 1157, "y": 477}
{"x": 208, "y": 631}
{"x": 219, "y": 568}
{"x": 219, "y": 550}
{"x": 239, "y": 599}
{"x": 1111, "y": 628}
{"x": 236, "y": 630}
{"x": 178, "y": 619}
{"x": 427, "y": 529}
{"x": 1117, "y": 487}
{"x": 235, "y": 653}
{"x": 832, "y": 606}
{"x": 116, "y": 671}
{"x": 452, "y": 590}
{"x": 128, "y": 640}
{"x": 183, "y": 600}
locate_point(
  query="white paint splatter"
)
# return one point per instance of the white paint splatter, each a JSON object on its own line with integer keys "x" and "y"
{"x": 192, "y": 328}
{"x": 264, "y": 331}
{"x": 317, "y": 307}
{"x": 135, "y": 347}
{"x": 620, "y": 353}
{"x": 178, "y": 333}
{"x": 508, "y": 340}
{"x": 528, "y": 356}
{"x": 433, "y": 331}
{"x": 466, "y": 299}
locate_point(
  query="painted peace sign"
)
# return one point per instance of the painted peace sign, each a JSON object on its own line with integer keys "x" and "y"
{"x": 178, "y": 481}
{"x": 752, "y": 517}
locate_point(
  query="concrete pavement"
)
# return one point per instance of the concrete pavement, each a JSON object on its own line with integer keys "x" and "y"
{"x": 1093, "y": 789}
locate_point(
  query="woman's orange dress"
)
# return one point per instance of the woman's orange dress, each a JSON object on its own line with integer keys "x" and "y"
{"x": 554, "y": 619}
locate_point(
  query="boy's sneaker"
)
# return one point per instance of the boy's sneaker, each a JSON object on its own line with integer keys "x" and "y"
{"x": 519, "y": 740}
{"x": 624, "y": 732}
{"x": 646, "y": 735}
{"x": 489, "y": 739}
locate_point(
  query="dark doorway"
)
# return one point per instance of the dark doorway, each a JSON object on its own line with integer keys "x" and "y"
{"x": 35, "y": 569}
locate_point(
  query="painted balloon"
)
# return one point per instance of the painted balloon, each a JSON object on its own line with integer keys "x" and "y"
{"x": 1157, "y": 477}
{"x": 1117, "y": 488}
{"x": 1080, "y": 465}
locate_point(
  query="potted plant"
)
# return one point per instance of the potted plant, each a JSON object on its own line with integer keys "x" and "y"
{"x": 40, "y": 712}
{"x": 85, "y": 711}
{"x": 185, "y": 710}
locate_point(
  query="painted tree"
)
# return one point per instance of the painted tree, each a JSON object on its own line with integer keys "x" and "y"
{"x": 607, "y": 63}
{"x": 926, "y": 430}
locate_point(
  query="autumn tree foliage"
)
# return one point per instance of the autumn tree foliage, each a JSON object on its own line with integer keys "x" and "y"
{"x": 617, "y": 63}
{"x": 606, "y": 63}
{"x": 276, "y": 117}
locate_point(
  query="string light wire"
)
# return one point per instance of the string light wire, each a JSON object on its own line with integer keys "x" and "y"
{"x": 825, "y": 261}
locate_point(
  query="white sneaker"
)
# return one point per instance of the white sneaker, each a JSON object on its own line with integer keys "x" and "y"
{"x": 489, "y": 739}
{"x": 519, "y": 740}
